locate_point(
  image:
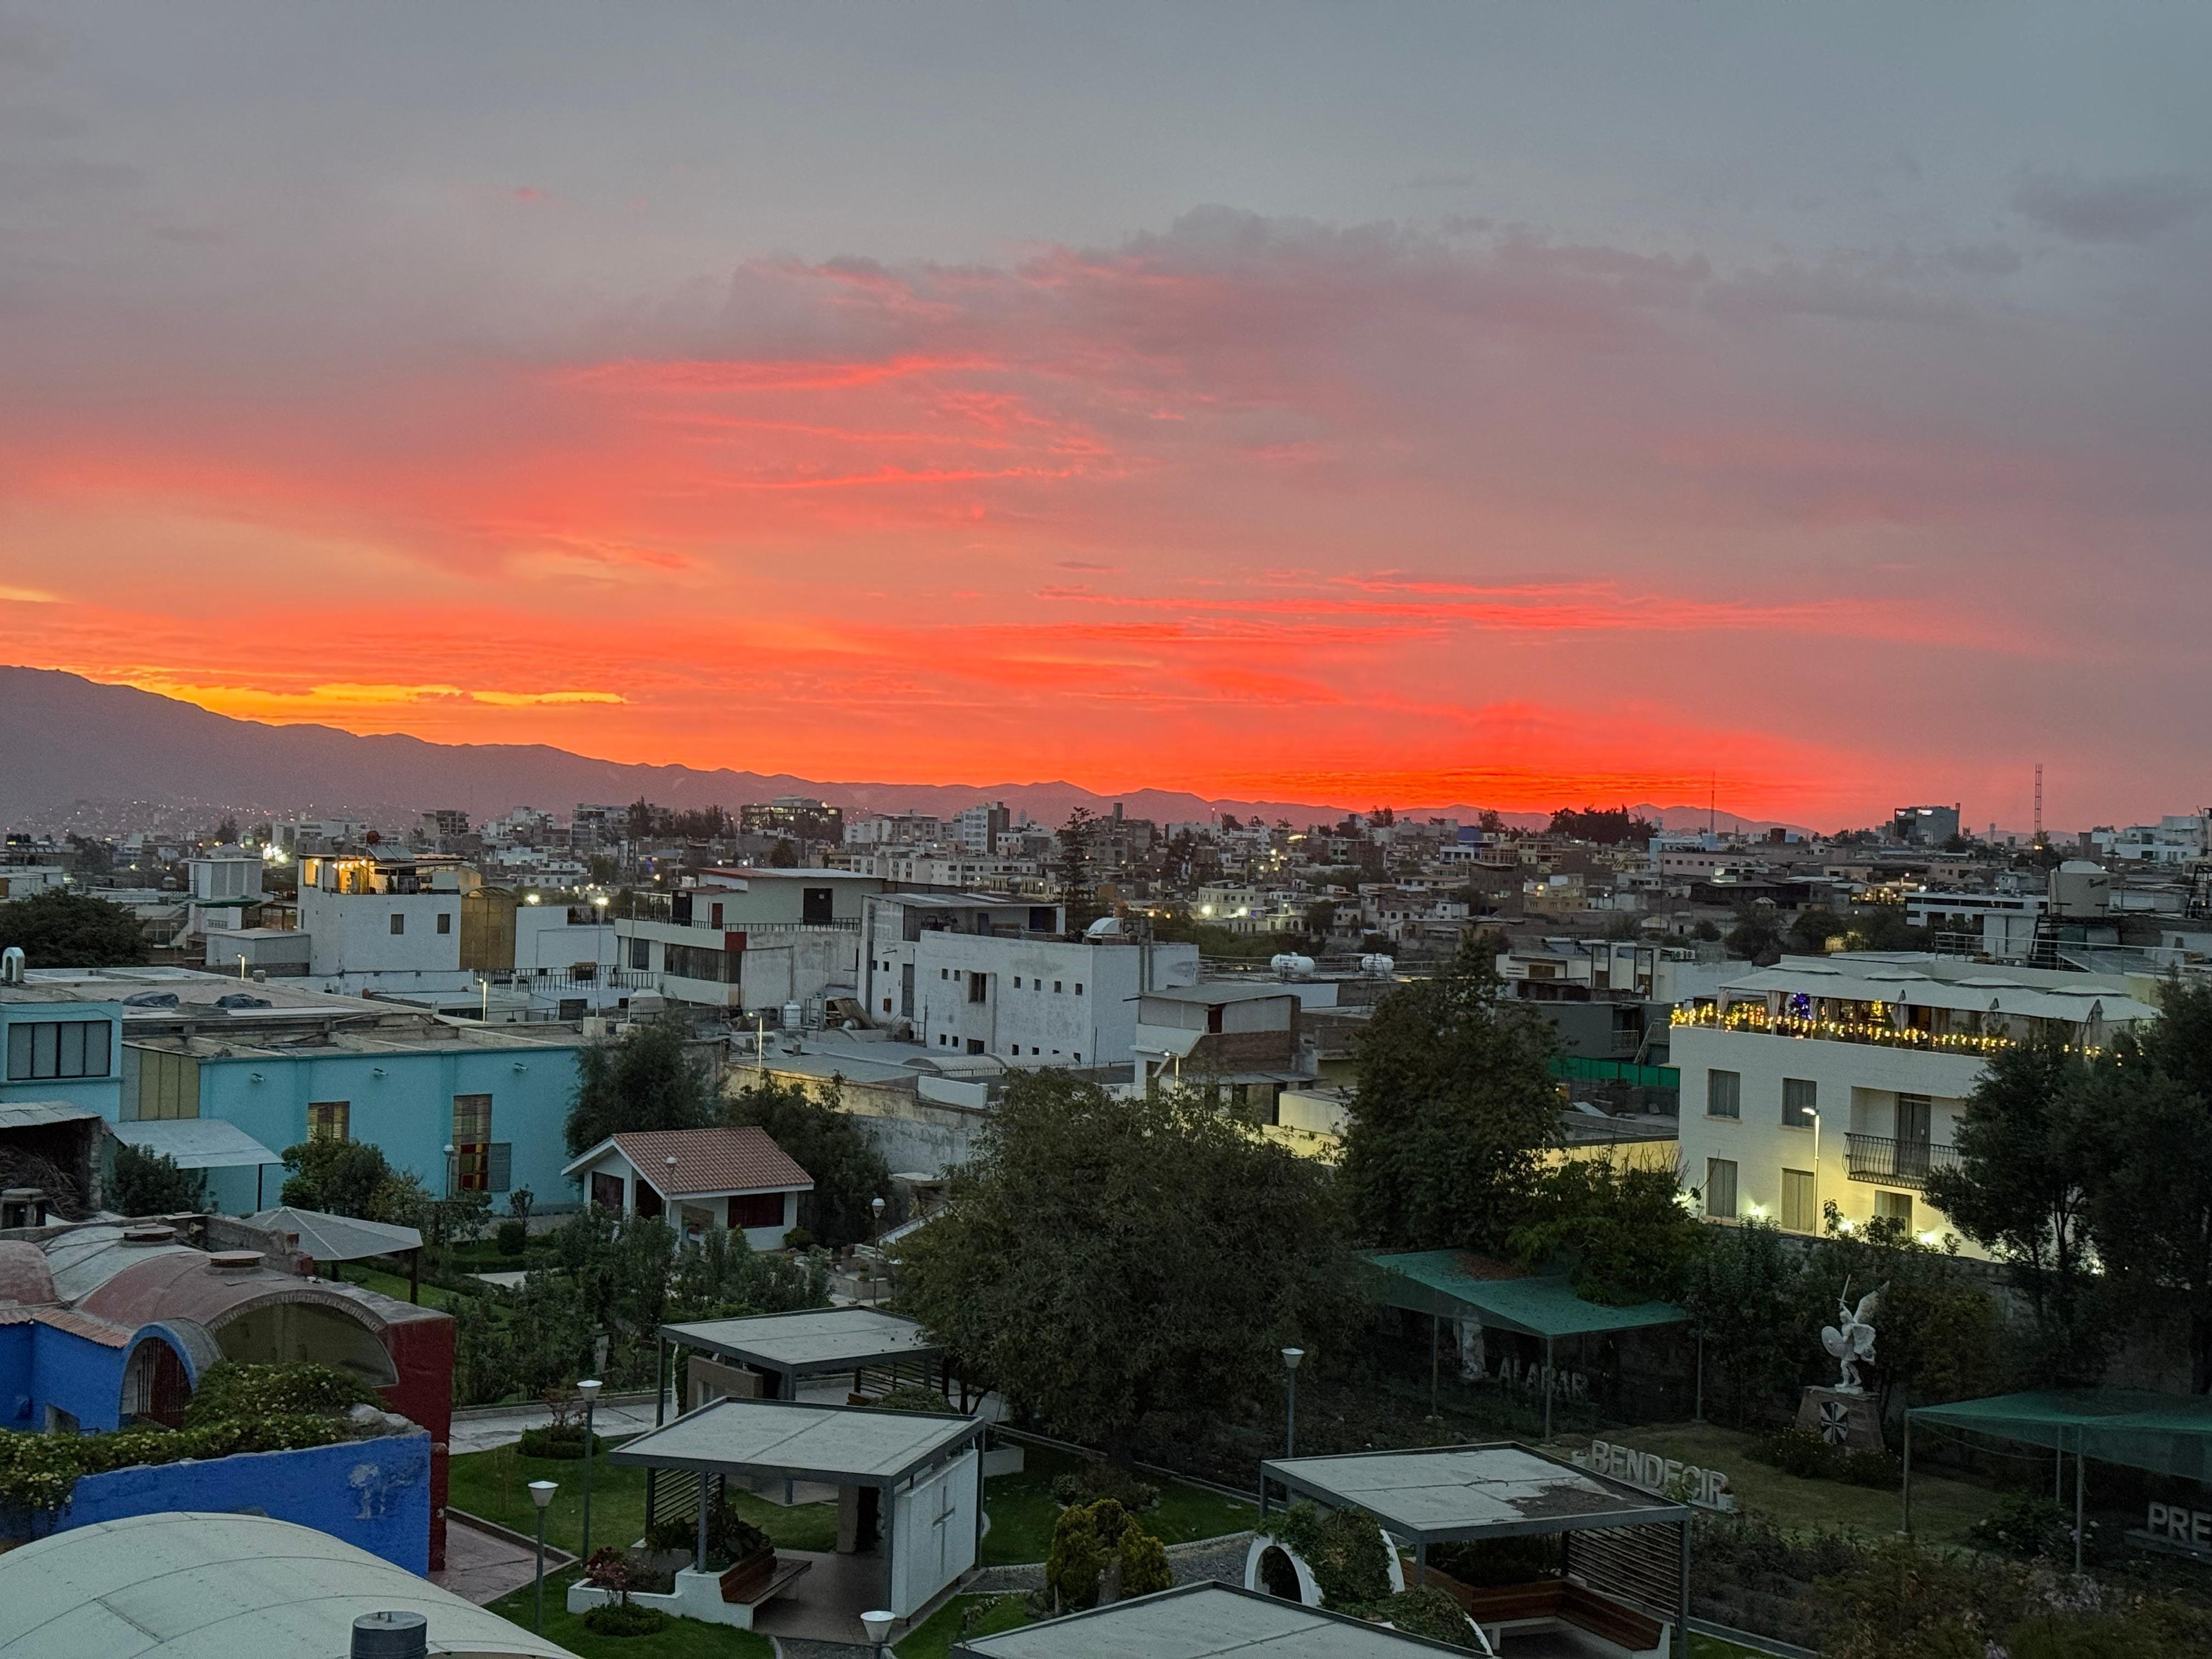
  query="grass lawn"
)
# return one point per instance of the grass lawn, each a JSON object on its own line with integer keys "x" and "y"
{"x": 1023, "y": 1510}
{"x": 1711, "y": 1647}
{"x": 933, "y": 1638}
{"x": 495, "y": 1485}
{"x": 392, "y": 1284}
{"x": 685, "y": 1638}
{"x": 1942, "y": 1509}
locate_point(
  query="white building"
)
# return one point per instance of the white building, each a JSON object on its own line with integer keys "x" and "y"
{"x": 2176, "y": 838}
{"x": 372, "y": 915}
{"x": 968, "y": 974}
{"x": 750, "y": 938}
{"x": 979, "y": 827}
{"x": 894, "y": 829}
{"x": 699, "y": 1179}
{"x": 1839, "y": 1080}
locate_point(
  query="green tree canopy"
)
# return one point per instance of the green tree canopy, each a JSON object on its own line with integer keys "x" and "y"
{"x": 349, "y": 1177}
{"x": 1617, "y": 1224}
{"x": 1739, "y": 1290}
{"x": 61, "y": 929}
{"x": 1104, "y": 1260}
{"x": 2032, "y": 1150}
{"x": 2152, "y": 1217}
{"x": 150, "y": 1184}
{"x": 1607, "y": 826}
{"x": 644, "y": 1078}
{"x": 829, "y": 1144}
{"x": 1455, "y": 1109}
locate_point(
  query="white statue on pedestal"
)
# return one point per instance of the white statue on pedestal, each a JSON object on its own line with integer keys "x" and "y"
{"x": 1850, "y": 1340}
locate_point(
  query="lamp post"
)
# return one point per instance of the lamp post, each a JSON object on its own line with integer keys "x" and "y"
{"x": 875, "y": 1227}
{"x": 1291, "y": 1358}
{"x": 877, "y": 1624}
{"x": 449, "y": 1168}
{"x": 1814, "y": 1112}
{"x": 590, "y": 1389}
{"x": 541, "y": 1493}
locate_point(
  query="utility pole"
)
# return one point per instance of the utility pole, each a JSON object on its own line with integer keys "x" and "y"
{"x": 2038, "y": 803}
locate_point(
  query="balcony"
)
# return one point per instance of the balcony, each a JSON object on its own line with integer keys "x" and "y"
{"x": 1754, "y": 1018}
{"x": 1895, "y": 1162}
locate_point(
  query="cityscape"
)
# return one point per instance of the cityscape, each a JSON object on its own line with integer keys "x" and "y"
{"x": 959, "y": 832}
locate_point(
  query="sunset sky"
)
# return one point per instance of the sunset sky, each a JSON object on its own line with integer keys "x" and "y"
{"x": 1499, "y": 404}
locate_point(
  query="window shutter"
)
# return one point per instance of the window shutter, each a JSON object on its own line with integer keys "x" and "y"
{"x": 502, "y": 1166}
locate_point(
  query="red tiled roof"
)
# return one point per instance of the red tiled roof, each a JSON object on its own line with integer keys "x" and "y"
{"x": 77, "y": 1324}
{"x": 724, "y": 1160}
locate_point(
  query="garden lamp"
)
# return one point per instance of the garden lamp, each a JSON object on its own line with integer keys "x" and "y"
{"x": 1291, "y": 1358}
{"x": 541, "y": 1493}
{"x": 877, "y": 1624}
{"x": 589, "y": 1390}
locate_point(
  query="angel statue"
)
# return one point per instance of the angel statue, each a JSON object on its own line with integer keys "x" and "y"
{"x": 1850, "y": 1340}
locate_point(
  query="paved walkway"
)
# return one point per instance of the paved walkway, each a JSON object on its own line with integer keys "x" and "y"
{"x": 481, "y": 1566}
{"x": 481, "y": 1430}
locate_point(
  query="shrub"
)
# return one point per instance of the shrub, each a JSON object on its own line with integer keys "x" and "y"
{"x": 564, "y": 1440}
{"x": 1424, "y": 1610}
{"x": 1346, "y": 1549}
{"x": 234, "y": 1390}
{"x": 730, "y": 1537}
{"x": 512, "y": 1238}
{"x": 2024, "y": 1526}
{"x": 1090, "y": 1538}
{"x": 1803, "y": 1453}
{"x": 1144, "y": 1561}
{"x": 914, "y": 1397}
{"x": 624, "y": 1619}
{"x": 799, "y": 1239}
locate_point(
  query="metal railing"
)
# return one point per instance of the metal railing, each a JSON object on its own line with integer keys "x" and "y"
{"x": 1895, "y": 1162}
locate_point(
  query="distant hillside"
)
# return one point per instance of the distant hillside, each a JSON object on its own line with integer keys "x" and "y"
{"x": 64, "y": 739}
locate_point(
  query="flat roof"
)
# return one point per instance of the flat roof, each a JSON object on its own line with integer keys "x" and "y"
{"x": 1201, "y": 1621}
{"x": 411, "y": 1033}
{"x": 179, "y": 1585}
{"x": 1442, "y": 1494}
{"x": 1218, "y": 991}
{"x": 31, "y": 1114}
{"x": 1450, "y": 1282}
{"x": 197, "y": 1143}
{"x": 851, "y": 1444}
{"x": 819, "y": 1339}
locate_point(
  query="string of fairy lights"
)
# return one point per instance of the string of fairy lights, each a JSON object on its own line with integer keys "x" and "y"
{"x": 1876, "y": 1027}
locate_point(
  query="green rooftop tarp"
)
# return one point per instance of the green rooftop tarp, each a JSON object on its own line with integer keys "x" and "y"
{"x": 2166, "y": 1433}
{"x": 1439, "y": 1282}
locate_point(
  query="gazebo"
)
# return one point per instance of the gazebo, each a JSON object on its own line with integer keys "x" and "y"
{"x": 910, "y": 1514}
{"x": 1452, "y": 1285}
{"x": 332, "y": 1238}
{"x": 771, "y": 1354}
{"x": 1622, "y": 1579}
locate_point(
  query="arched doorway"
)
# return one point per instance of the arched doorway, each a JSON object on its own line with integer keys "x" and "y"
{"x": 155, "y": 1388}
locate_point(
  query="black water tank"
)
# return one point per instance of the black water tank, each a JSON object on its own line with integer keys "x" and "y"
{"x": 391, "y": 1636}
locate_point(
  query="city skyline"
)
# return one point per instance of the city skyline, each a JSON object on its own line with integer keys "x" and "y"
{"x": 1519, "y": 408}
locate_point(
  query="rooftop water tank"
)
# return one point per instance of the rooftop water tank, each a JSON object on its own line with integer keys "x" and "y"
{"x": 1288, "y": 964}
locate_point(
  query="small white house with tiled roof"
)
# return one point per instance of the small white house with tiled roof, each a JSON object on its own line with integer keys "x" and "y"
{"x": 737, "y": 1178}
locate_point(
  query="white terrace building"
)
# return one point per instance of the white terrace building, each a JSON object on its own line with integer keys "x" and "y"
{"x": 1839, "y": 1080}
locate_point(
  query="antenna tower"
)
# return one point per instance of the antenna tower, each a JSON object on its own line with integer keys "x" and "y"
{"x": 2038, "y": 803}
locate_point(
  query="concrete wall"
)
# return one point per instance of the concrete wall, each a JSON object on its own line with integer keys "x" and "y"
{"x": 372, "y": 1493}
{"x": 352, "y": 932}
{"x": 1047, "y": 1002}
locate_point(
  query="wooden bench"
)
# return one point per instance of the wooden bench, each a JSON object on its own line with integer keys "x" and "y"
{"x": 1554, "y": 1598}
{"x": 760, "y": 1580}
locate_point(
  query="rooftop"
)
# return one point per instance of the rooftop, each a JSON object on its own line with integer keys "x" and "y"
{"x": 847, "y": 1443}
{"x": 154, "y": 994}
{"x": 392, "y": 1035}
{"x": 185, "y": 1586}
{"x": 822, "y": 1339}
{"x": 1201, "y": 1621}
{"x": 1220, "y": 991}
{"x": 1454, "y": 1492}
{"x": 703, "y": 1162}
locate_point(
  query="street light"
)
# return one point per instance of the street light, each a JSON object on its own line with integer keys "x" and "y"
{"x": 875, "y": 1228}
{"x": 589, "y": 1390}
{"x": 1814, "y": 1112}
{"x": 877, "y": 1624}
{"x": 1291, "y": 1358}
{"x": 541, "y": 1493}
{"x": 450, "y": 1154}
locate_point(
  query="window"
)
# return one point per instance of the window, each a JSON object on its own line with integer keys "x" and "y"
{"x": 945, "y": 973}
{"x": 472, "y": 1143}
{"x": 607, "y": 1191}
{"x": 1079, "y": 988}
{"x": 887, "y": 1005}
{"x": 445, "y": 922}
{"x": 1078, "y": 1052}
{"x": 816, "y": 905}
{"x": 502, "y": 1166}
{"x": 974, "y": 1045}
{"x": 1055, "y": 988}
{"x": 398, "y": 922}
{"x": 1800, "y": 1102}
{"x": 1724, "y": 1094}
{"x": 757, "y": 1209}
{"x": 329, "y": 1119}
{"x": 1913, "y": 1115}
{"x": 979, "y": 986}
{"x": 69, "y": 1047}
{"x": 697, "y": 961}
{"x": 1720, "y": 1187}
{"x": 641, "y": 955}
{"x": 1799, "y": 1212}
{"x": 1894, "y": 1206}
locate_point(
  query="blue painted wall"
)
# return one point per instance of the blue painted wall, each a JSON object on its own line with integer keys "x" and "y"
{"x": 103, "y": 1095}
{"x": 408, "y": 1111}
{"x": 373, "y": 1493}
{"x": 41, "y": 1366}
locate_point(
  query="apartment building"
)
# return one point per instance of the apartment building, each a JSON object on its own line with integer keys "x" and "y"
{"x": 2176, "y": 838}
{"x": 369, "y": 915}
{"x": 749, "y": 938}
{"x": 1839, "y": 1080}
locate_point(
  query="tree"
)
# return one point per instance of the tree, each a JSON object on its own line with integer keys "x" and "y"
{"x": 1455, "y": 1109}
{"x": 150, "y": 1184}
{"x": 1756, "y": 937}
{"x": 783, "y": 855}
{"x": 1625, "y": 1238}
{"x": 1610, "y": 827}
{"x": 1104, "y": 1261}
{"x": 829, "y": 1145}
{"x": 349, "y": 1177}
{"x": 2153, "y": 1217}
{"x": 2031, "y": 1153}
{"x": 1739, "y": 1290}
{"x": 61, "y": 929}
{"x": 94, "y": 858}
{"x": 225, "y": 833}
{"x": 646, "y": 1077}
